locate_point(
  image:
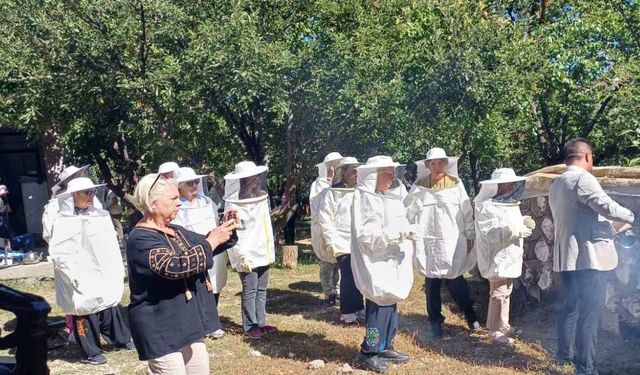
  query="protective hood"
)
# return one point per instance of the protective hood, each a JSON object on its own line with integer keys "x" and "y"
{"x": 489, "y": 188}
{"x": 338, "y": 180}
{"x": 247, "y": 183}
{"x": 65, "y": 176}
{"x": 424, "y": 172}
{"x": 185, "y": 174}
{"x": 66, "y": 205}
{"x": 368, "y": 177}
{"x": 331, "y": 160}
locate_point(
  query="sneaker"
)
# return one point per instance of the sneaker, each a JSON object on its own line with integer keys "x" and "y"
{"x": 217, "y": 334}
{"x": 474, "y": 326}
{"x": 436, "y": 331}
{"x": 393, "y": 356}
{"x": 371, "y": 362}
{"x": 361, "y": 315}
{"x": 331, "y": 299}
{"x": 128, "y": 346}
{"x": 500, "y": 338}
{"x": 349, "y": 318}
{"x": 254, "y": 333}
{"x": 268, "y": 328}
{"x": 94, "y": 360}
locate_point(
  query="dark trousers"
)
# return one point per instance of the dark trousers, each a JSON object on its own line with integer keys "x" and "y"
{"x": 351, "y": 299}
{"x": 581, "y": 307}
{"x": 459, "y": 290}
{"x": 382, "y": 326}
{"x": 217, "y": 297}
{"x": 254, "y": 297}
{"x": 290, "y": 231}
{"x": 109, "y": 323}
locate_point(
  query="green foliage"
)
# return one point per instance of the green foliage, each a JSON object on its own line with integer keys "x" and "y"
{"x": 129, "y": 84}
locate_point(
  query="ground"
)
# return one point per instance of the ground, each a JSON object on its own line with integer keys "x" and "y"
{"x": 310, "y": 330}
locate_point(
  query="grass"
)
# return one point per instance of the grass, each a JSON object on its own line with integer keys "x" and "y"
{"x": 309, "y": 330}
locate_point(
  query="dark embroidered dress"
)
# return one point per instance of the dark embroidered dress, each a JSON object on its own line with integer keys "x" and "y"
{"x": 163, "y": 315}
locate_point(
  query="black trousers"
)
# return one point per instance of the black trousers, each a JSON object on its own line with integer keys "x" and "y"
{"x": 581, "y": 307}
{"x": 459, "y": 290}
{"x": 351, "y": 299}
{"x": 217, "y": 297}
{"x": 290, "y": 231}
{"x": 109, "y": 323}
{"x": 382, "y": 326}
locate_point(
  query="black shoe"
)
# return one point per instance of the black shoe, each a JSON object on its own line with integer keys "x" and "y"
{"x": 393, "y": 356}
{"x": 94, "y": 360}
{"x": 371, "y": 362}
{"x": 331, "y": 300}
{"x": 436, "y": 331}
{"x": 128, "y": 346}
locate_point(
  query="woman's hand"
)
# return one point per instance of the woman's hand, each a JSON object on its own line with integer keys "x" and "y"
{"x": 221, "y": 234}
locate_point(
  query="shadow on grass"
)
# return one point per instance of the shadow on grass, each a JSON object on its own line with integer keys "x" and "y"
{"x": 306, "y": 286}
{"x": 461, "y": 344}
{"x": 305, "y": 347}
{"x": 288, "y": 303}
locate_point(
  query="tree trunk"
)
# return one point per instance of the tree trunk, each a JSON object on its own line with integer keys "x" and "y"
{"x": 290, "y": 256}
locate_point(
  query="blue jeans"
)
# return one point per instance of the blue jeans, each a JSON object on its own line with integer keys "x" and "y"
{"x": 254, "y": 297}
{"x": 581, "y": 307}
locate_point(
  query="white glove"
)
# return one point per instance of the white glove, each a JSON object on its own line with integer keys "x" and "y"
{"x": 392, "y": 237}
{"x": 244, "y": 266}
{"x": 525, "y": 232}
{"x": 528, "y": 222}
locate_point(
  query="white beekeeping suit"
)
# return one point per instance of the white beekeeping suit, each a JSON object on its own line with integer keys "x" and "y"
{"x": 246, "y": 191}
{"x": 316, "y": 194}
{"x": 500, "y": 226}
{"x": 443, "y": 221}
{"x": 381, "y": 251}
{"x": 89, "y": 272}
{"x": 52, "y": 207}
{"x": 334, "y": 213}
{"x": 201, "y": 216}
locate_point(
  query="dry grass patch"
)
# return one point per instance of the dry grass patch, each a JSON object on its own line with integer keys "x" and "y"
{"x": 309, "y": 330}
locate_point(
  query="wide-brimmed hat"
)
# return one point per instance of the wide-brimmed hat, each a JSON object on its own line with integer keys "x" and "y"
{"x": 503, "y": 176}
{"x": 436, "y": 153}
{"x": 379, "y": 161}
{"x": 80, "y": 184}
{"x": 245, "y": 169}
{"x": 332, "y": 156}
{"x": 184, "y": 174}
{"x": 68, "y": 172}
{"x": 349, "y": 160}
{"x": 168, "y": 167}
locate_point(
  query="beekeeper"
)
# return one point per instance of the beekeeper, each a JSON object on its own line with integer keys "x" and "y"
{"x": 439, "y": 208}
{"x": 381, "y": 258}
{"x": 88, "y": 269}
{"x": 329, "y": 268}
{"x": 334, "y": 219}
{"x": 246, "y": 193}
{"x": 51, "y": 208}
{"x": 500, "y": 228}
{"x": 199, "y": 214}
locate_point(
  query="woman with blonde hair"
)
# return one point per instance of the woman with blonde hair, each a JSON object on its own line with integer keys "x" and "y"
{"x": 172, "y": 304}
